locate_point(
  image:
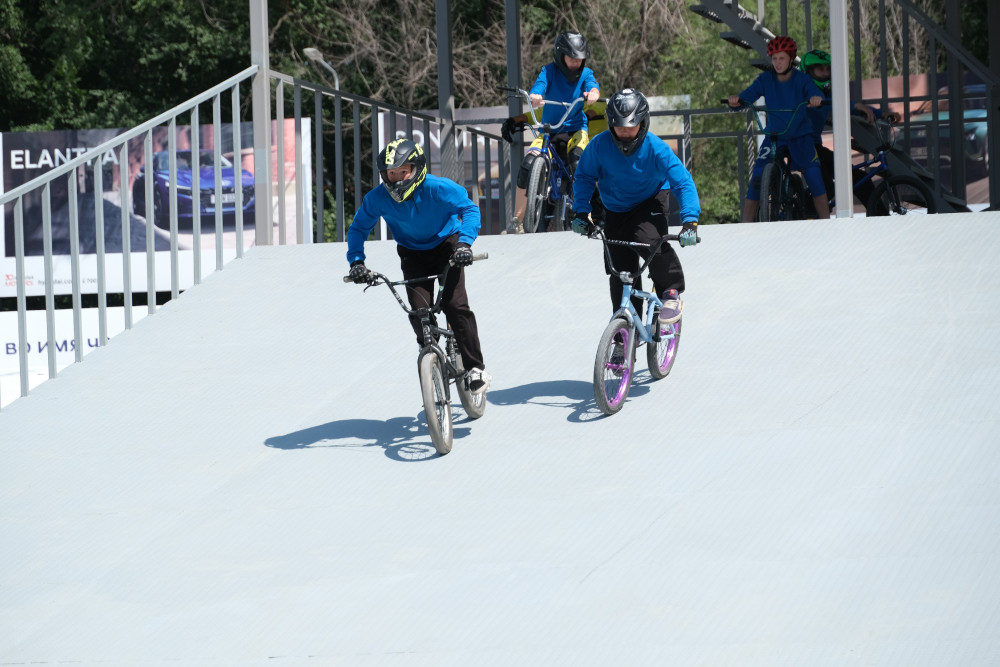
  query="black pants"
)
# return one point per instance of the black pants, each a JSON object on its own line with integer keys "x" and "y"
{"x": 645, "y": 223}
{"x": 455, "y": 304}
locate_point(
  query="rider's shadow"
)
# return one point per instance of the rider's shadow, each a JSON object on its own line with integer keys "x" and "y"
{"x": 403, "y": 438}
{"x": 574, "y": 395}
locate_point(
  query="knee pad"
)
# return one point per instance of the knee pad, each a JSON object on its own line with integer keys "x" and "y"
{"x": 525, "y": 172}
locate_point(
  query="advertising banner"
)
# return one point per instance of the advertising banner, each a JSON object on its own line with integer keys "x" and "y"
{"x": 28, "y": 155}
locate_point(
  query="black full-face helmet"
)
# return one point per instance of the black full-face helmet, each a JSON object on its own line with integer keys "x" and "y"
{"x": 395, "y": 155}
{"x": 574, "y": 45}
{"x": 628, "y": 108}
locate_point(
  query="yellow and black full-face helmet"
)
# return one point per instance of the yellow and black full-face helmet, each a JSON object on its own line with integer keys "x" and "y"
{"x": 395, "y": 155}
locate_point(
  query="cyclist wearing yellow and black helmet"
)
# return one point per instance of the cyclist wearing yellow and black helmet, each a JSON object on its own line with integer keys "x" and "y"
{"x": 433, "y": 221}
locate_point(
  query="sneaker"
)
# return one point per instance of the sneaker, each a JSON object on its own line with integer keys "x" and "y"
{"x": 514, "y": 227}
{"x": 617, "y": 355}
{"x": 672, "y": 307}
{"x": 479, "y": 380}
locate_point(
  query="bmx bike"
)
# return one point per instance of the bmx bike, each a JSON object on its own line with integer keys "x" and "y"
{"x": 893, "y": 194}
{"x": 783, "y": 192}
{"x": 615, "y": 362}
{"x": 549, "y": 190}
{"x": 437, "y": 366}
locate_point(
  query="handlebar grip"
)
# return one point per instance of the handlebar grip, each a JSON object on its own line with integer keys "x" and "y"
{"x": 677, "y": 237}
{"x": 347, "y": 279}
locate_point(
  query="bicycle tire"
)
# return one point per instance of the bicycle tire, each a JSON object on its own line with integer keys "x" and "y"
{"x": 437, "y": 408}
{"x": 613, "y": 376}
{"x": 538, "y": 183}
{"x": 900, "y": 195}
{"x": 795, "y": 207}
{"x": 770, "y": 193}
{"x": 661, "y": 355}
{"x": 563, "y": 209}
{"x": 474, "y": 404}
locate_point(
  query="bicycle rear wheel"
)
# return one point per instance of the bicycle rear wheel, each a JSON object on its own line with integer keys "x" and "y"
{"x": 660, "y": 356}
{"x": 437, "y": 409}
{"x": 613, "y": 366}
{"x": 770, "y": 193}
{"x": 474, "y": 404}
{"x": 901, "y": 195}
{"x": 538, "y": 183}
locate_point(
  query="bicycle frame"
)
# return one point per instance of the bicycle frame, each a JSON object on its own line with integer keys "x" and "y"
{"x": 626, "y": 309}
{"x": 430, "y": 330}
{"x": 877, "y": 159}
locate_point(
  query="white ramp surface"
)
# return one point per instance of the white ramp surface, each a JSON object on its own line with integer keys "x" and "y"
{"x": 245, "y": 478}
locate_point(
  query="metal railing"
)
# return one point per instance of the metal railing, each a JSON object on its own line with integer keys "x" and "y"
{"x": 140, "y": 269}
{"x": 356, "y": 141}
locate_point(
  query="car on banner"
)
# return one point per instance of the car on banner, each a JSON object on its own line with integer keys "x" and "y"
{"x": 973, "y": 130}
{"x": 207, "y": 204}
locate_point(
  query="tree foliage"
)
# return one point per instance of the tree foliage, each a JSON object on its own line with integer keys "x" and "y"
{"x": 67, "y": 64}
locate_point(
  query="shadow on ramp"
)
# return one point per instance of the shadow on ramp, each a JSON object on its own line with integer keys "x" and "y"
{"x": 575, "y": 395}
{"x": 404, "y": 439}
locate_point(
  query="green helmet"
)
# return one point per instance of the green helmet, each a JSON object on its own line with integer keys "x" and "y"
{"x": 811, "y": 59}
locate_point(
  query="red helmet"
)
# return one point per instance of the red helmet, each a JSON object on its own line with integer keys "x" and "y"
{"x": 783, "y": 43}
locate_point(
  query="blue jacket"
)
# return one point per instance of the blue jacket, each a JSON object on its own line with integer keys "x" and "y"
{"x": 552, "y": 85}
{"x": 781, "y": 98}
{"x": 627, "y": 181}
{"x": 436, "y": 210}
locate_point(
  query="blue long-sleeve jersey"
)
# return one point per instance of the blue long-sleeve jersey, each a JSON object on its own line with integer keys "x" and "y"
{"x": 781, "y": 99}
{"x": 436, "y": 210}
{"x": 628, "y": 180}
{"x": 552, "y": 85}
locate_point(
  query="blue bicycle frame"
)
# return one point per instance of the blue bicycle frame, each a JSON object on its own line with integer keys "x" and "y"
{"x": 626, "y": 308}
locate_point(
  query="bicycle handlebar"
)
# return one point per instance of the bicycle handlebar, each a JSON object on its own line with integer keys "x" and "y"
{"x": 633, "y": 245}
{"x": 475, "y": 258}
{"x": 662, "y": 239}
{"x": 525, "y": 96}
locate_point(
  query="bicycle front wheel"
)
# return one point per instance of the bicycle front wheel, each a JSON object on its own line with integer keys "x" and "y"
{"x": 613, "y": 366}
{"x": 796, "y": 207}
{"x": 563, "y": 209}
{"x": 770, "y": 193}
{"x": 660, "y": 356}
{"x": 538, "y": 183}
{"x": 901, "y": 195}
{"x": 437, "y": 409}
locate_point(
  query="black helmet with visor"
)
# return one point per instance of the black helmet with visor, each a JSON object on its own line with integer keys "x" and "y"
{"x": 628, "y": 108}
{"x": 574, "y": 45}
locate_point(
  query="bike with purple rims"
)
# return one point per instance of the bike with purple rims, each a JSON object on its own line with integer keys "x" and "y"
{"x": 614, "y": 366}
